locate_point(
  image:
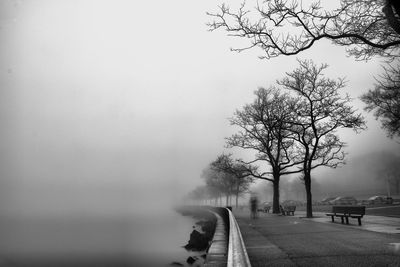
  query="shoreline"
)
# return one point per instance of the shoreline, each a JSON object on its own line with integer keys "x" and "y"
{"x": 200, "y": 237}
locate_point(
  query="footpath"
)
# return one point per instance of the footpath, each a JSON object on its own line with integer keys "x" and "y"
{"x": 275, "y": 240}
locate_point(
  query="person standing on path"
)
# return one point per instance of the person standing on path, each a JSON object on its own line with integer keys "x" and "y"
{"x": 253, "y": 207}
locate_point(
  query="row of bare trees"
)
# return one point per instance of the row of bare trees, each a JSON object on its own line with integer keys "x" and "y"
{"x": 224, "y": 177}
{"x": 306, "y": 137}
{"x": 292, "y": 127}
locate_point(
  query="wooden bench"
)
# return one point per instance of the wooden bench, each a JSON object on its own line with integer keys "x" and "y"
{"x": 346, "y": 212}
{"x": 287, "y": 210}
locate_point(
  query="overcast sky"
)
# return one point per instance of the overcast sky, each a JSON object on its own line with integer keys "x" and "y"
{"x": 104, "y": 102}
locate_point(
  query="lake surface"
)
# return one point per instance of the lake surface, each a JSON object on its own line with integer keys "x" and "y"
{"x": 145, "y": 239}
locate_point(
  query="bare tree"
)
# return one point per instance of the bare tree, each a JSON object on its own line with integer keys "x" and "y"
{"x": 264, "y": 129}
{"x": 199, "y": 194}
{"x": 321, "y": 111}
{"x": 221, "y": 181}
{"x": 365, "y": 27}
{"x": 236, "y": 168}
{"x": 384, "y": 100}
{"x": 385, "y": 166}
{"x": 282, "y": 27}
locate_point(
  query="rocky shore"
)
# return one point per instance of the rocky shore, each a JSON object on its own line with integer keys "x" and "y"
{"x": 201, "y": 236}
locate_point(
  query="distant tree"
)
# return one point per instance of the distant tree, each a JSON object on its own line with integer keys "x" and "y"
{"x": 391, "y": 173}
{"x": 221, "y": 181}
{"x": 199, "y": 194}
{"x": 384, "y": 100}
{"x": 385, "y": 166}
{"x": 264, "y": 129}
{"x": 321, "y": 111}
{"x": 281, "y": 27}
{"x": 214, "y": 193}
{"x": 237, "y": 169}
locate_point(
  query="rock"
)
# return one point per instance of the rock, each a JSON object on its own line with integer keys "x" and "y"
{"x": 197, "y": 241}
{"x": 175, "y": 263}
{"x": 191, "y": 260}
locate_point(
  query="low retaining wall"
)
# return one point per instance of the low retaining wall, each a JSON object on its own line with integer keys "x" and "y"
{"x": 227, "y": 247}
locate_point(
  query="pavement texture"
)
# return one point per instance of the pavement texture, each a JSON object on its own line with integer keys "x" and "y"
{"x": 275, "y": 240}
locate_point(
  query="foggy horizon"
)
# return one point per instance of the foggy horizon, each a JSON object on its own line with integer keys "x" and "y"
{"x": 108, "y": 107}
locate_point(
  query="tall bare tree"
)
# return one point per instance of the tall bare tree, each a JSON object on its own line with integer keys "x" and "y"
{"x": 366, "y": 28}
{"x": 282, "y": 27}
{"x": 264, "y": 129}
{"x": 321, "y": 111}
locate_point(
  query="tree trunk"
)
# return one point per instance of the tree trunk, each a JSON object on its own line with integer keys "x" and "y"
{"x": 237, "y": 194}
{"x": 275, "y": 202}
{"x": 237, "y": 200}
{"x": 307, "y": 183}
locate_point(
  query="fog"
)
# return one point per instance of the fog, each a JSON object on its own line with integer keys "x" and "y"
{"x": 113, "y": 108}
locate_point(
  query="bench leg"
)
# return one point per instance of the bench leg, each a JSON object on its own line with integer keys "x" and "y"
{"x": 333, "y": 220}
{"x": 347, "y": 220}
{"x": 359, "y": 221}
{"x": 342, "y": 219}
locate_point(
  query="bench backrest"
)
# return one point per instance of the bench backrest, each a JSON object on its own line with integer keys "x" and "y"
{"x": 349, "y": 209}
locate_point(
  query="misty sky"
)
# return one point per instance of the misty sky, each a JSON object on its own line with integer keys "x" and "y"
{"x": 104, "y": 103}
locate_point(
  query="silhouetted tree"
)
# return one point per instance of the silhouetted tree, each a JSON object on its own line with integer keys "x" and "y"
{"x": 365, "y": 27}
{"x": 199, "y": 194}
{"x": 282, "y": 27}
{"x": 264, "y": 129}
{"x": 386, "y": 166}
{"x": 221, "y": 181}
{"x": 236, "y": 168}
{"x": 321, "y": 111}
{"x": 384, "y": 100}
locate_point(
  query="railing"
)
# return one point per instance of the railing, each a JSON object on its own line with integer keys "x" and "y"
{"x": 237, "y": 254}
{"x": 227, "y": 247}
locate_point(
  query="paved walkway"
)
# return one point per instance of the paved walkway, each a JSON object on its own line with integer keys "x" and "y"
{"x": 381, "y": 224}
{"x": 273, "y": 240}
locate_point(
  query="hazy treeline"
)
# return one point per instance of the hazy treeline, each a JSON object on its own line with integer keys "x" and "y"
{"x": 292, "y": 126}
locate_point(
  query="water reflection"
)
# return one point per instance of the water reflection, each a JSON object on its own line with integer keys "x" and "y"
{"x": 151, "y": 239}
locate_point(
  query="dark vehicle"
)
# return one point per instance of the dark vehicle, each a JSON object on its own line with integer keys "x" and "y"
{"x": 326, "y": 200}
{"x": 343, "y": 201}
{"x": 376, "y": 200}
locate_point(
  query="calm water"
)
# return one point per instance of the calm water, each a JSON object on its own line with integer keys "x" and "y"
{"x": 147, "y": 239}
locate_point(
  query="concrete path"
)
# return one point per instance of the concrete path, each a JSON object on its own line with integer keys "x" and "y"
{"x": 273, "y": 240}
{"x": 381, "y": 224}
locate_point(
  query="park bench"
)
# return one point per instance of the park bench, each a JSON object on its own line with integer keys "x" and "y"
{"x": 267, "y": 208}
{"x": 346, "y": 212}
{"x": 287, "y": 210}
